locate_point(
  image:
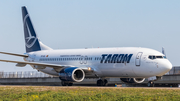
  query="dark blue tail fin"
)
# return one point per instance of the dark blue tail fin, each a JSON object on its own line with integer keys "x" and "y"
{"x": 31, "y": 40}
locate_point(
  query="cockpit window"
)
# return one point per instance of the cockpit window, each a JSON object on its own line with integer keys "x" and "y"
{"x": 164, "y": 57}
{"x": 156, "y": 57}
{"x": 152, "y": 57}
{"x": 159, "y": 57}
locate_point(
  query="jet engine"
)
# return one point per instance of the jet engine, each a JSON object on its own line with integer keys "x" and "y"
{"x": 132, "y": 80}
{"x": 72, "y": 74}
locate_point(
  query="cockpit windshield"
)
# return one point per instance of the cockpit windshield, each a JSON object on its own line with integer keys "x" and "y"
{"x": 159, "y": 57}
{"x": 152, "y": 57}
{"x": 156, "y": 57}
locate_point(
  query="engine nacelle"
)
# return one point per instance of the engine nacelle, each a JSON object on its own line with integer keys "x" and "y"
{"x": 132, "y": 80}
{"x": 72, "y": 74}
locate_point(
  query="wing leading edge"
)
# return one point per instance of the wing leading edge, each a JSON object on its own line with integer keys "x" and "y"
{"x": 56, "y": 67}
{"x": 21, "y": 55}
{"x": 37, "y": 63}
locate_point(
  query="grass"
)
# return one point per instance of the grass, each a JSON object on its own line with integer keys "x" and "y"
{"x": 48, "y": 93}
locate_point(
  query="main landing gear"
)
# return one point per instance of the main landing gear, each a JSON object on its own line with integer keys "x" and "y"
{"x": 65, "y": 83}
{"x": 102, "y": 82}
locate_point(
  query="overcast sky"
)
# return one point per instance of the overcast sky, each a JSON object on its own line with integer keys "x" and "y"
{"x": 70, "y": 24}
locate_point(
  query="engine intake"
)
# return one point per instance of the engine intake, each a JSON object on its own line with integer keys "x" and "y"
{"x": 73, "y": 74}
{"x": 132, "y": 80}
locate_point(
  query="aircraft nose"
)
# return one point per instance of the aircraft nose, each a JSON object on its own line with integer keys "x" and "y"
{"x": 167, "y": 66}
{"x": 164, "y": 67}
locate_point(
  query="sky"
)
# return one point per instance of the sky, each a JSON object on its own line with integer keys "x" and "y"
{"x": 74, "y": 24}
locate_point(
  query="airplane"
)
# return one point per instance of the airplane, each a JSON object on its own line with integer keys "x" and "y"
{"x": 130, "y": 64}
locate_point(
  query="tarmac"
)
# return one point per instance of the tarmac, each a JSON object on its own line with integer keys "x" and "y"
{"x": 102, "y": 87}
{"x": 166, "y": 81}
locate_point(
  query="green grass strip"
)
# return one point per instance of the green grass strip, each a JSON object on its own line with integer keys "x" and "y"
{"x": 48, "y": 93}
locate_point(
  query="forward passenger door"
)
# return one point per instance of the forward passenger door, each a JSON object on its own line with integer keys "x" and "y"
{"x": 138, "y": 59}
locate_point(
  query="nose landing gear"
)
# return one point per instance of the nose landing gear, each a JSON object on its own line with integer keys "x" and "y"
{"x": 151, "y": 83}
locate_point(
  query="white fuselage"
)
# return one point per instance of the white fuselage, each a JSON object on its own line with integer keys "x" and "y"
{"x": 140, "y": 65}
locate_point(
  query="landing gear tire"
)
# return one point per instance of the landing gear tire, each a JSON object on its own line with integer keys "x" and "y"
{"x": 150, "y": 84}
{"x": 105, "y": 82}
{"x": 101, "y": 82}
{"x": 70, "y": 84}
{"x": 63, "y": 83}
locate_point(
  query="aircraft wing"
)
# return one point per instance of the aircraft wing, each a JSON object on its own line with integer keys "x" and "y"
{"x": 37, "y": 63}
{"x": 21, "y": 55}
{"x": 56, "y": 67}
